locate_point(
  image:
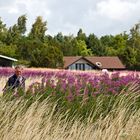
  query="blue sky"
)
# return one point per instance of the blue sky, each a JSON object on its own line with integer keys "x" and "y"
{"x": 100, "y": 17}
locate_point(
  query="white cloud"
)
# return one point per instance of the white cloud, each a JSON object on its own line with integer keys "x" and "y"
{"x": 13, "y": 11}
{"x": 116, "y": 9}
{"x": 67, "y": 16}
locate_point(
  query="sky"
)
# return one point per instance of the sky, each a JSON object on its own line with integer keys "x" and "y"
{"x": 101, "y": 17}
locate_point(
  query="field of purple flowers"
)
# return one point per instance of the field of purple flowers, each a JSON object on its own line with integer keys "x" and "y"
{"x": 72, "y": 84}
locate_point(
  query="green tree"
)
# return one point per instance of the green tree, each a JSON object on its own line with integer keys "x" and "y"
{"x": 8, "y": 50}
{"x": 68, "y": 45}
{"x": 130, "y": 57}
{"x": 134, "y": 37}
{"x": 38, "y": 29}
{"x": 133, "y": 48}
{"x": 21, "y": 24}
{"x": 95, "y": 45}
{"x": 81, "y": 48}
{"x": 3, "y": 31}
{"x": 16, "y": 32}
{"x": 118, "y": 45}
{"x": 59, "y": 37}
{"x": 81, "y": 35}
{"x": 12, "y": 35}
{"x": 26, "y": 46}
{"x": 107, "y": 40}
{"x": 47, "y": 56}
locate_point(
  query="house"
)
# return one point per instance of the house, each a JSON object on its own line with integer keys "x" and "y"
{"x": 93, "y": 63}
{"x": 6, "y": 61}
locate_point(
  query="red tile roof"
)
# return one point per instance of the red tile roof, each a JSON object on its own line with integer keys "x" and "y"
{"x": 107, "y": 62}
{"x": 68, "y": 60}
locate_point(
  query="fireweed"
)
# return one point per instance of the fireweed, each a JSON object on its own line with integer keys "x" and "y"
{"x": 76, "y": 85}
{"x": 72, "y": 85}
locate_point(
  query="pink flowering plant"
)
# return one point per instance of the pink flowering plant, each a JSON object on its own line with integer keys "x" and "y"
{"x": 82, "y": 92}
{"x": 85, "y": 83}
{"x": 81, "y": 87}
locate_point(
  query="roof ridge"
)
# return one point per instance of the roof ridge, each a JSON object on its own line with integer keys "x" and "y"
{"x": 10, "y": 58}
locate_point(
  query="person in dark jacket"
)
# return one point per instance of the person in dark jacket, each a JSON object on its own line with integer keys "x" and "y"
{"x": 16, "y": 81}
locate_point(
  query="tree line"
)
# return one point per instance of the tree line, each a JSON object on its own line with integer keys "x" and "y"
{"x": 38, "y": 49}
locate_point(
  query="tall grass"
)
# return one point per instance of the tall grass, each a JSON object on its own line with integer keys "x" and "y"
{"x": 119, "y": 119}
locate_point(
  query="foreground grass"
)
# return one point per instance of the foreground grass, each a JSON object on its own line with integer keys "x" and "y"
{"x": 21, "y": 119}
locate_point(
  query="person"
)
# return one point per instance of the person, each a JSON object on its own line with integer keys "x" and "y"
{"x": 105, "y": 71}
{"x": 15, "y": 82}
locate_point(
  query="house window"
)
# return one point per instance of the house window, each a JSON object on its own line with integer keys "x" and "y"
{"x": 88, "y": 67}
{"x": 80, "y": 66}
{"x": 72, "y": 67}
